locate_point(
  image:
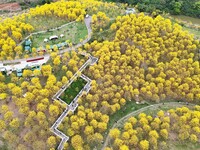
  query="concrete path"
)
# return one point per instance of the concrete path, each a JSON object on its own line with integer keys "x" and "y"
{"x": 121, "y": 121}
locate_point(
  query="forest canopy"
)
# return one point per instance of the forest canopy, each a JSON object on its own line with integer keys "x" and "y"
{"x": 182, "y": 7}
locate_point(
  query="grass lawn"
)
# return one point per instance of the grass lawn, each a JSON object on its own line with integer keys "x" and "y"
{"x": 111, "y": 12}
{"x": 72, "y": 32}
{"x": 153, "y": 110}
{"x": 70, "y": 93}
{"x": 106, "y": 34}
{"x": 192, "y": 31}
{"x": 187, "y": 18}
{"x": 41, "y": 23}
{"x": 171, "y": 144}
{"x": 3, "y": 144}
{"x": 129, "y": 107}
{"x": 58, "y": 72}
{"x": 7, "y": 79}
{"x": 183, "y": 145}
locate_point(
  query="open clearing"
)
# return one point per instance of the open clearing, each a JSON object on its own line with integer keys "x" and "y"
{"x": 41, "y": 23}
{"x": 72, "y": 33}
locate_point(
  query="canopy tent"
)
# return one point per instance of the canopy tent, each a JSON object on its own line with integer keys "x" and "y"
{"x": 54, "y": 37}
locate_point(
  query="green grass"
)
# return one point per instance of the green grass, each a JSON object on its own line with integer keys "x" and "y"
{"x": 3, "y": 145}
{"x": 111, "y": 12}
{"x": 72, "y": 32}
{"x": 70, "y": 93}
{"x": 41, "y": 23}
{"x": 187, "y": 18}
{"x": 106, "y": 34}
{"x": 165, "y": 107}
{"x": 58, "y": 72}
{"x": 7, "y": 79}
{"x": 183, "y": 145}
{"x": 81, "y": 32}
{"x": 192, "y": 31}
{"x": 129, "y": 107}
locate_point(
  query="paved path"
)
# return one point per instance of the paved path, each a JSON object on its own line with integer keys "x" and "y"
{"x": 152, "y": 107}
{"x": 74, "y": 104}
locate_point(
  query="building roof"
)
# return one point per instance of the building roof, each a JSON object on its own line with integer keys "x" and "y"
{"x": 45, "y": 40}
{"x": 130, "y": 10}
{"x": 28, "y": 42}
{"x": 27, "y": 48}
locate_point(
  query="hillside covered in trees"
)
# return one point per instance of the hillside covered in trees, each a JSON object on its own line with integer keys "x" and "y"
{"x": 145, "y": 131}
{"x": 183, "y": 7}
{"x": 141, "y": 59}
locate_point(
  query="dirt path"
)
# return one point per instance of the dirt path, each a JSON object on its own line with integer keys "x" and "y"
{"x": 121, "y": 121}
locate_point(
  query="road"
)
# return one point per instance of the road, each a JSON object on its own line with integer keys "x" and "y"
{"x": 155, "y": 106}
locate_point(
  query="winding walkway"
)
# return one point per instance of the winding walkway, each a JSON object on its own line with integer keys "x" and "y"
{"x": 74, "y": 104}
{"x": 151, "y": 107}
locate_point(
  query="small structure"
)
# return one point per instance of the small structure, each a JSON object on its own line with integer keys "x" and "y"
{"x": 35, "y": 67}
{"x": 3, "y": 70}
{"x": 62, "y": 35}
{"x": 42, "y": 49}
{"x": 27, "y": 46}
{"x": 19, "y": 72}
{"x": 87, "y": 16}
{"x": 46, "y": 40}
{"x": 59, "y": 46}
{"x": 130, "y": 11}
{"x": 30, "y": 67}
{"x": 62, "y": 44}
{"x": 54, "y": 37}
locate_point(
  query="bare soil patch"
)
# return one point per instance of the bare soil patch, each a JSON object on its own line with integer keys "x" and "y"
{"x": 10, "y": 7}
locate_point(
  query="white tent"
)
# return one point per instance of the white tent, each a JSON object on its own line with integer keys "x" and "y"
{"x": 53, "y": 37}
{"x": 45, "y": 40}
{"x": 130, "y": 11}
{"x": 62, "y": 35}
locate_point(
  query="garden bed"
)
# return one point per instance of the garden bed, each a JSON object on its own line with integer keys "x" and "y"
{"x": 70, "y": 93}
